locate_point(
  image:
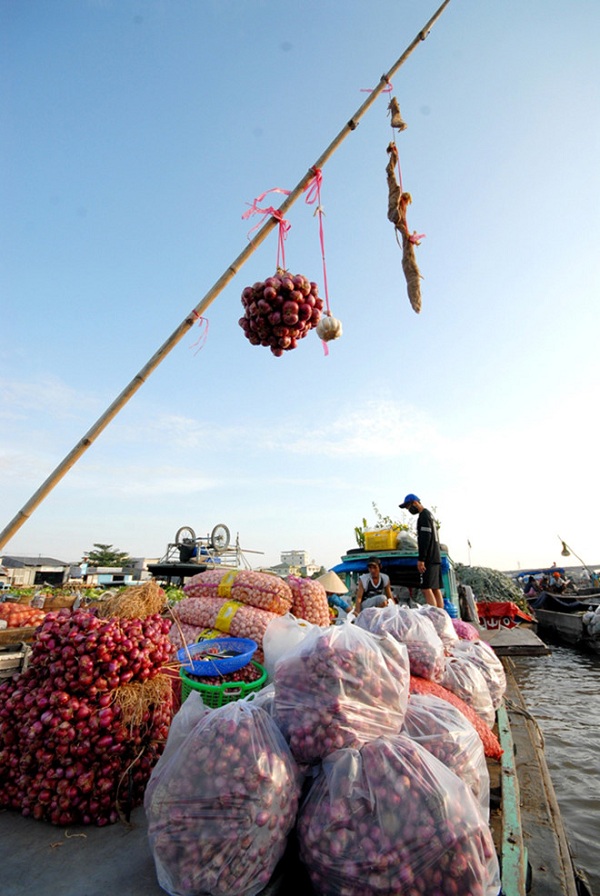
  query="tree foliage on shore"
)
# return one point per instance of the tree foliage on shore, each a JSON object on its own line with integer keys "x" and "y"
{"x": 106, "y": 555}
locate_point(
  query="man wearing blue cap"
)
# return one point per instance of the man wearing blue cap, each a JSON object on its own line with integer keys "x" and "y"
{"x": 429, "y": 562}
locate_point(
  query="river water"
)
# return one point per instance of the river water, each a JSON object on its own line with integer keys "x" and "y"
{"x": 562, "y": 691}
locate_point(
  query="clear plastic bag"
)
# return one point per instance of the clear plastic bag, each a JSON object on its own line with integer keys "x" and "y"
{"x": 465, "y": 679}
{"x": 446, "y": 734}
{"x": 417, "y": 632}
{"x": 220, "y": 809}
{"x": 340, "y": 686}
{"x": 391, "y": 819}
{"x": 441, "y": 622}
{"x": 281, "y": 636}
{"x": 480, "y": 653}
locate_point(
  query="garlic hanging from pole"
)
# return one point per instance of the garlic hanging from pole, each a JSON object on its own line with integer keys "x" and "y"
{"x": 329, "y": 327}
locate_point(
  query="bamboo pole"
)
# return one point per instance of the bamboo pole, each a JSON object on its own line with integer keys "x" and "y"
{"x": 178, "y": 334}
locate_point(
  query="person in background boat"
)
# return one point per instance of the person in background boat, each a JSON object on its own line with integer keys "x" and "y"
{"x": 429, "y": 563}
{"x": 531, "y": 588}
{"x": 334, "y": 589}
{"x": 373, "y": 588}
{"x": 558, "y": 583}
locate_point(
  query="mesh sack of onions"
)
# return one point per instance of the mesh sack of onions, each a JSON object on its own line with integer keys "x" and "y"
{"x": 280, "y": 311}
{"x": 465, "y": 631}
{"x": 228, "y": 616}
{"x": 491, "y": 744}
{"x": 483, "y": 656}
{"x": 340, "y": 686}
{"x": 468, "y": 682}
{"x": 424, "y": 645}
{"x": 82, "y": 727}
{"x": 309, "y": 600}
{"x": 258, "y": 589}
{"x": 391, "y": 819}
{"x": 221, "y": 807}
{"x": 441, "y": 622}
{"x": 443, "y": 731}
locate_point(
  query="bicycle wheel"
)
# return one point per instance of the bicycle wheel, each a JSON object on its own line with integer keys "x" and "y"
{"x": 185, "y": 532}
{"x": 220, "y": 538}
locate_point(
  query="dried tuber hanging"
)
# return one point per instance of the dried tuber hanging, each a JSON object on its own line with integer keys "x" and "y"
{"x": 397, "y": 203}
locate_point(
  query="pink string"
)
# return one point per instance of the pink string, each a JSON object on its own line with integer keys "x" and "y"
{"x": 284, "y": 225}
{"x": 414, "y": 238}
{"x": 387, "y": 89}
{"x": 313, "y": 194}
{"x": 203, "y": 336}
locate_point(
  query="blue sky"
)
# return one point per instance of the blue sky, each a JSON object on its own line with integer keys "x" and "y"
{"x": 134, "y": 134}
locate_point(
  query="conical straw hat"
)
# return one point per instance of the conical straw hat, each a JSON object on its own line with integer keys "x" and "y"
{"x": 332, "y": 583}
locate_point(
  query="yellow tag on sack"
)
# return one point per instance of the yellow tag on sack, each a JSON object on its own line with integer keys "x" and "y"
{"x": 224, "y": 586}
{"x": 226, "y": 614}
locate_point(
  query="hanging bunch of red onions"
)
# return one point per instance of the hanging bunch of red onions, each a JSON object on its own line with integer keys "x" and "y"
{"x": 446, "y": 734}
{"x": 391, "y": 818}
{"x": 220, "y": 806}
{"x": 340, "y": 686}
{"x": 280, "y": 311}
{"x": 71, "y": 748}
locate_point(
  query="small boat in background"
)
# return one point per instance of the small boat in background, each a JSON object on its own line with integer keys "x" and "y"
{"x": 570, "y": 618}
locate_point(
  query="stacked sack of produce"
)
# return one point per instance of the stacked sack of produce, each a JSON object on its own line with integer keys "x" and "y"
{"x": 339, "y": 686}
{"x": 242, "y": 603}
{"x": 391, "y": 818}
{"x": 411, "y": 628}
{"x": 465, "y": 631}
{"x": 591, "y": 620}
{"x": 309, "y": 600}
{"x": 222, "y": 801}
{"x": 491, "y": 744}
{"x": 442, "y": 623}
{"x": 381, "y": 812}
{"x": 450, "y": 737}
{"x": 465, "y": 679}
{"x": 82, "y": 727}
{"x": 481, "y": 655}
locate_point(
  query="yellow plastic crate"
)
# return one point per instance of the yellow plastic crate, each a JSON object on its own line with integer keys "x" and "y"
{"x": 380, "y": 539}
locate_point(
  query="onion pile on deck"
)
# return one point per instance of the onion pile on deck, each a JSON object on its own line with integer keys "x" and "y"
{"x": 280, "y": 311}
{"x": 82, "y": 727}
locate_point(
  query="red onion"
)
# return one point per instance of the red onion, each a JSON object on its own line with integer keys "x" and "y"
{"x": 467, "y": 681}
{"x": 483, "y": 656}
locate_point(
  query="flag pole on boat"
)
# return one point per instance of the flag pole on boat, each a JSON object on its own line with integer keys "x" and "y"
{"x": 81, "y": 447}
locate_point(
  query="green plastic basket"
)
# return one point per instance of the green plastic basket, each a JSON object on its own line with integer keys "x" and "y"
{"x": 215, "y": 695}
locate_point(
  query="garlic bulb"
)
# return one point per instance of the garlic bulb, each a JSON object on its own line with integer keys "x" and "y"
{"x": 329, "y": 327}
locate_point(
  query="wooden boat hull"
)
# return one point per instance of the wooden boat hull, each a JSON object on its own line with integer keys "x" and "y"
{"x": 569, "y": 627}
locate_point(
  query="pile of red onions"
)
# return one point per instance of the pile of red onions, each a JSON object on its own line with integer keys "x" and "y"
{"x": 441, "y": 622}
{"x": 280, "y": 311}
{"x": 220, "y": 806}
{"x": 391, "y": 818}
{"x": 339, "y": 687}
{"x": 446, "y": 734}
{"x": 68, "y": 752}
{"x": 424, "y": 645}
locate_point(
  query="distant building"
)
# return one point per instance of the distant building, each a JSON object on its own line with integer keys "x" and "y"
{"x": 25, "y": 572}
{"x": 295, "y": 563}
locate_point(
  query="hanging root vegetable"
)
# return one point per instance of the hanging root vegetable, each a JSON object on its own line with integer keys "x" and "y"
{"x": 280, "y": 311}
{"x": 397, "y": 203}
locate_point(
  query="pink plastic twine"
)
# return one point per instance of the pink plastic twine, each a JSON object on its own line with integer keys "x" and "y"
{"x": 387, "y": 89}
{"x": 313, "y": 194}
{"x": 203, "y": 325}
{"x": 284, "y": 225}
